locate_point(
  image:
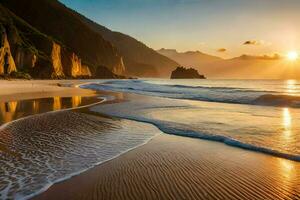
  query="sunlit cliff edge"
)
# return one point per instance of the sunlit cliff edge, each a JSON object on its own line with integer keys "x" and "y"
{"x": 45, "y": 39}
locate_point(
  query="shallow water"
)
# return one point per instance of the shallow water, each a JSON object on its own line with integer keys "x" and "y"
{"x": 13, "y": 110}
{"x": 237, "y": 113}
{"x": 43, "y": 149}
{"x": 39, "y": 151}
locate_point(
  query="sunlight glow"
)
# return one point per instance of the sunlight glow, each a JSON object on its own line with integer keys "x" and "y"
{"x": 292, "y": 55}
{"x": 287, "y": 119}
{"x": 287, "y": 123}
{"x": 287, "y": 167}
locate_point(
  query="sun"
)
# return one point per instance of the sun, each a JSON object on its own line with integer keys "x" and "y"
{"x": 292, "y": 55}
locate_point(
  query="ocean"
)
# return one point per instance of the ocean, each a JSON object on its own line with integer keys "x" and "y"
{"x": 259, "y": 115}
{"x": 38, "y": 149}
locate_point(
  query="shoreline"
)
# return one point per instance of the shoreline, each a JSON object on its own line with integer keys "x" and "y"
{"x": 168, "y": 167}
{"x": 153, "y": 150}
{"x": 30, "y": 89}
{"x": 78, "y": 173}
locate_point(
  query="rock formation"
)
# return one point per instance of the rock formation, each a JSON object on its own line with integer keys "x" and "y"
{"x": 25, "y": 50}
{"x": 69, "y": 36}
{"x": 49, "y": 40}
{"x": 7, "y": 63}
{"x": 186, "y": 73}
{"x": 56, "y": 61}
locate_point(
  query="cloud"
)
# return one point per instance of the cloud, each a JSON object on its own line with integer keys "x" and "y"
{"x": 275, "y": 56}
{"x": 221, "y": 50}
{"x": 254, "y": 42}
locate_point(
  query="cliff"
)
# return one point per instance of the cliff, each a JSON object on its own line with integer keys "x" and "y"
{"x": 184, "y": 73}
{"x": 42, "y": 42}
{"x": 49, "y": 40}
{"x": 139, "y": 59}
{"x": 7, "y": 63}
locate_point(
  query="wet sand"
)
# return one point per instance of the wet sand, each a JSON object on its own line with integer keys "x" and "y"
{"x": 169, "y": 167}
{"x": 173, "y": 167}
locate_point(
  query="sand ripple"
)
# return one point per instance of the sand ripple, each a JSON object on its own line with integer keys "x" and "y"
{"x": 36, "y": 152}
{"x": 172, "y": 167}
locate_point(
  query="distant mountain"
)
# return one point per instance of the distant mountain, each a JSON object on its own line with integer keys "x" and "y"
{"x": 53, "y": 41}
{"x": 254, "y": 67}
{"x": 189, "y": 58}
{"x": 243, "y": 67}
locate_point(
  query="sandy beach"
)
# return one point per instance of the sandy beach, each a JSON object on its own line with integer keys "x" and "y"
{"x": 19, "y": 90}
{"x": 167, "y": 167}
{"x": 173, "y": 167}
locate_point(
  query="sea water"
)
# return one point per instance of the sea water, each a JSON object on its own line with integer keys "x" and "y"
{"x": 259, "y": 115}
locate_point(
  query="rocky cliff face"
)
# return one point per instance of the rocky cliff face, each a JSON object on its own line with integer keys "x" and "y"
{"x": 24, "y": 58}
{"x": 26, "y": 50}
{"x": 56, "y": 61}
{"x": 78, "y": 50}
{"x": 73, "y": 66}
{"x": 7, "y": 63}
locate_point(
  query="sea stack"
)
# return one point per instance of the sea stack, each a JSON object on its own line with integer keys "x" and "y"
{"x": 186, "y": 73}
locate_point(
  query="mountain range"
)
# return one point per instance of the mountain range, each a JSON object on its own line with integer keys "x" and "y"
{"x": 242, "y": 67}
{"x": 46, "y": 39}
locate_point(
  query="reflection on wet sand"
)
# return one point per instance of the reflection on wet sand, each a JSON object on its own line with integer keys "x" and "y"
{"x": 56, "y": 103}
{"x": 7, "y": 110}
{"x": 43, "y": 149}
{"x": 17, "y": 109}
{"x": 76, "y": 101}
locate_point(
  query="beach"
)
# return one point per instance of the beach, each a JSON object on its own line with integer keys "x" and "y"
{"x": 141, "y": 163}
{"x": 19, "y": 89}
{"x": 173, "y": 167}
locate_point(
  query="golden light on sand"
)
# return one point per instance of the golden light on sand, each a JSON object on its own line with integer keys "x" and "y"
{"x": 292, "y": 55}
{"x": 287, "y": 167}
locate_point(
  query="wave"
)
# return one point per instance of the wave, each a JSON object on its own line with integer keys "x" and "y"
{"x": 278, "y": 100}
{"x": 202, "y": 93}
{"x": 173, "y": 130}
{"x": 60, "y": 153}
{"x": 233, "y": 89}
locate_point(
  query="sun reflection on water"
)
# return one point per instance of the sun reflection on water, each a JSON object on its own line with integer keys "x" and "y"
{"x": 291, "y": 86}
{"x": 287, "y": 119}
{"x": 287, "y": 134}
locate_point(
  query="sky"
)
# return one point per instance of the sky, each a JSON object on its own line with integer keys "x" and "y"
{"x": 226, "y": 28}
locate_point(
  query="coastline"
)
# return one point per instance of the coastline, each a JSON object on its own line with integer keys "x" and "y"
{"x": 29, "y": 89}
{"x": 171, "y": 166}
{"x": 61, "y": 89}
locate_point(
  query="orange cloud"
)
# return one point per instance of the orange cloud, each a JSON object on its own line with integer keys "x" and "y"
{"x": 253, "y": 42}
{"x": 221, "y": 50}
